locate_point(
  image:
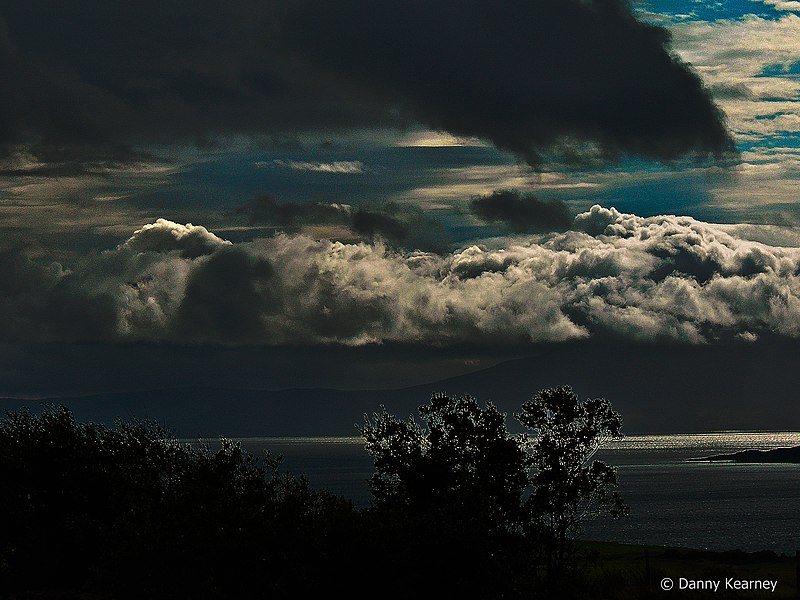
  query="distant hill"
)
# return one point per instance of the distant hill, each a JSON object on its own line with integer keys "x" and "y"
{"x": 680, "y": 389}
{"x": 776, "y": 455}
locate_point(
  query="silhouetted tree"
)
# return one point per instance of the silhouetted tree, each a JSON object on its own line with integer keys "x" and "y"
{"x": 448, "y": 495}
{"x": 127, "y": 510}
{"x": 463, "y": 469}
{"x": 63, "y": 486}
{"x": 463, "y": 464}
{"x": 568, "y": 487}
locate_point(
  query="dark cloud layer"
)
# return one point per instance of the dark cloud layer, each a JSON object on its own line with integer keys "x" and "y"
{"x": 266, "y": 210}
{"x": 406, "y": 227}
{"x": 525, "y": 75}
{"x": 521, "y": 213}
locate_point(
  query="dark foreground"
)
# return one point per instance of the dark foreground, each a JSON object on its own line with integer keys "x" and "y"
{"x": 90, "y": 512}
{"x": 603, "y": 571}
{"x": 618, "y": 571}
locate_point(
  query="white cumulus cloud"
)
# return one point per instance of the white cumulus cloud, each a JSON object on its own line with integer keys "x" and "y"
{"x": 663, "y": 278}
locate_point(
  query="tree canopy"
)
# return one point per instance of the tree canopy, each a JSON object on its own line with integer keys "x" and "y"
{"x": 132, "y": 512}
{"x": 568, "y": 487}
{"x": 462, "y": 465}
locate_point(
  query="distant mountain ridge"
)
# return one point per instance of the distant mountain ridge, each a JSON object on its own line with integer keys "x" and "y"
{"x": 657, "y": 390}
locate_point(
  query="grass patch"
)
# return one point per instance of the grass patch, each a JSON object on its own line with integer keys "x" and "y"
{"x": 612, "y": 571}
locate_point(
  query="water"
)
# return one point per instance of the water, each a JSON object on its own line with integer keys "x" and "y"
{"x": 713, "y": 506}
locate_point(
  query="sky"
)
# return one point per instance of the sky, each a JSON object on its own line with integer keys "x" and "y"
{"x": 373, "y": 194}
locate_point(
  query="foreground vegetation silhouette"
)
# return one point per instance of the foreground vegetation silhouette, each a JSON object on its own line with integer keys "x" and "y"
{"x": 463, "y": 474}
{"x": 459, "y": 506}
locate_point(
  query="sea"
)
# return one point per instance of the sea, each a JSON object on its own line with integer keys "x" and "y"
{"x": 673, "y": 501}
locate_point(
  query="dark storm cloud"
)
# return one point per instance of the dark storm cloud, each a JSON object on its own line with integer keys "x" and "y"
{"x": 522, "y": 74}
{"x": 521, "y": 213}
{"x": 226, "y": 298}
{"x": 372, "y": 224}
{"x": 405, "y": 227}
{"x": 103, "y": 74}
{"x": 266, "y": 210}
{"x": 525, "y": 75}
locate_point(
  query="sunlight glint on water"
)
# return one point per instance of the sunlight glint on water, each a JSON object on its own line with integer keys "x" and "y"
{"x": 715, "y": 506}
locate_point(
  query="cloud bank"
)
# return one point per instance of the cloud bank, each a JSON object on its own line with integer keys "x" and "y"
{"x": 528, "y": 76}
{"x": 658, "y": 279}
